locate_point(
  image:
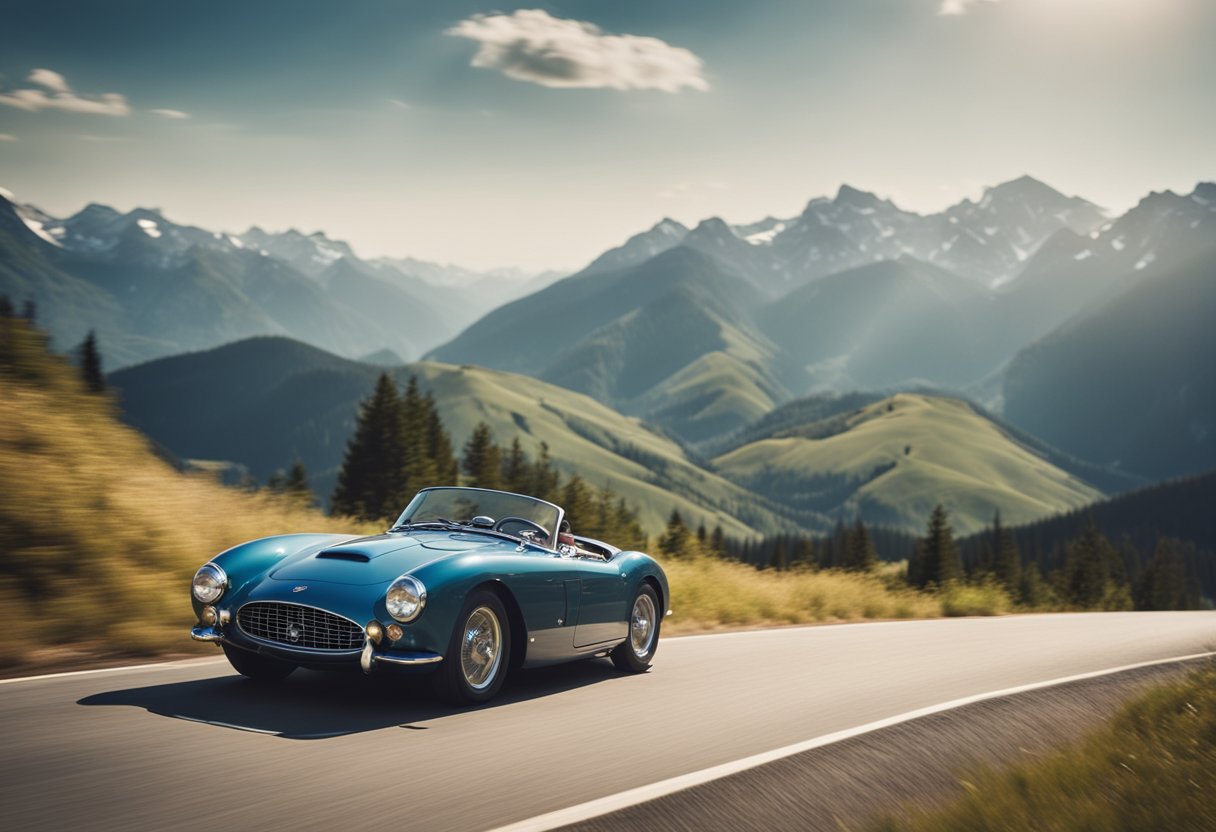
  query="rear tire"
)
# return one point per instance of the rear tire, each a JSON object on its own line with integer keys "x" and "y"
{"x": 479, "y": 652}
{"x": 634, "y": 654}
{"x": 257, "y": 667}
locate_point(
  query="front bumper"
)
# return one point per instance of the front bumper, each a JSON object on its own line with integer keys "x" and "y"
{"x": 367, "y": 658}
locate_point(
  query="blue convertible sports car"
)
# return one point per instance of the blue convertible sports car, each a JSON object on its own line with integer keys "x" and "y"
{"x": 467, "y": 585}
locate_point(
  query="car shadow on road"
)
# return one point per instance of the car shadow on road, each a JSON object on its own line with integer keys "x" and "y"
{"x": 312, "y": 705}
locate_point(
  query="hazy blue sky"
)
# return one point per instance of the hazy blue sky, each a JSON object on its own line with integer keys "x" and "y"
{"x": 490, "y": 134}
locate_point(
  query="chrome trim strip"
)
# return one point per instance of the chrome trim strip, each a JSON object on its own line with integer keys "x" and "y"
{"x": 366, "y": 656}
{"x": 432, "y": 658}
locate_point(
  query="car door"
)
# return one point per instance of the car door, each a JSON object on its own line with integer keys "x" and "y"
{"x": 601, "y": 609}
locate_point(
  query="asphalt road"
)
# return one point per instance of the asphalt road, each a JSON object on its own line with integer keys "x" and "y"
{"x": 192, "y": 746}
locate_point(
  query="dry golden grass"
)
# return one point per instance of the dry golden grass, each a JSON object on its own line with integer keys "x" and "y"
{"x": 99, "y": 537}
{"x": 1151, "y": 767}
{"x": 709, "y": 593}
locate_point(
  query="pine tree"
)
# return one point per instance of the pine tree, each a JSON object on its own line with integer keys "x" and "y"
{"x": 916, "y": 566}
{"x": 545, "y": 479}
{"x": 779, "y": 559}
{"x": 516, "y": 473}
{"x": 439, "y": 445}
{"x": 941, "y": 563}
{"x": 676, "y": 541}
{"x": 860, "y": 555}
{"x": 1091, "y": 570}
{"x": 90, "y": 365}
{"x": 579, "y": 504}
{"x": 482, "y": 459}
{"x": 30, "y": 312}
{"x": 1033, "y": 591}
{"x": 371, "y": 484}
{"x": 717, "y": 540}
{"x": 1163, "y": 584}
{"x": 6, "y": 307}
{"x": 296, "y": 484}
{"x": 420, "y": 468}
{"x": 1007, "y": 561}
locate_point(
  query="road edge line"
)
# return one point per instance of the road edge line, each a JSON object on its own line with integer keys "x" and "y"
{"x": 642, "y": 794}
{"x": 174, "y": 663}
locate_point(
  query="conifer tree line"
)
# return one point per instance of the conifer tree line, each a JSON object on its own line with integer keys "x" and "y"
{"x": 1092, "y": 575}
{"x": 400, "y": 446}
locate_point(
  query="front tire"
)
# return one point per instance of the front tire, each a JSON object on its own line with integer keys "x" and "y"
{"x": 256, "y": 667}
{"x": 479, "y": 652}
{"x": 634, "y": 654}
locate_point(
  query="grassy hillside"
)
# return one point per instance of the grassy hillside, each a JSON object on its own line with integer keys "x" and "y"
{"x": 894, "y": 459}
{"x": 1152, "y": 767}
{"x": 637, "y": 338}
{"x": 98, "y": 536}
{"x": 265, "y": 401}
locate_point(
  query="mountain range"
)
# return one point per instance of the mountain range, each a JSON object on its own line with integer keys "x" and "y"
{"x": 700, "y": 331}
{"x": 1086, "y": 331}
{"x": 151, "y": 287}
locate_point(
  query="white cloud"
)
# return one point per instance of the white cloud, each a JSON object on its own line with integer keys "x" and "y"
{"x": 953, "y": 7}
{"x": 62, "y": 97}
{"x": 50, "y": 79}
{"x": 170, "y": 113}
{"x": 398, "y": 104}
{"x": 7, "y": 137}
{"x": 531, "y": 45}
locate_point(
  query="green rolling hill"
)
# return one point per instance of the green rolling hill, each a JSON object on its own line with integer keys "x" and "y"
{"x": 264, "y": 401}
{"x": 890, "y": 461}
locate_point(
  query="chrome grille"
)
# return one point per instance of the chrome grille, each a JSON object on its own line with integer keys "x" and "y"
{"x": 295, "y": 625}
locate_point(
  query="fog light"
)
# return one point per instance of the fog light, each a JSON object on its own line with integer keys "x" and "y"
{"x": 395, "y": 632}
{"x": 374, "y": 631}
{"x": 208, "y": 616}
{"x": 225, "y": 617}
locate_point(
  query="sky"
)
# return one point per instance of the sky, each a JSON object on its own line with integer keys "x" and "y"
{"x": 539, "y": 135}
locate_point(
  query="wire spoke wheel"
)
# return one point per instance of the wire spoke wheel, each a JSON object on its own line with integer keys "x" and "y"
{"x": 642, "y": 625}
{"x": 481, "y": 648}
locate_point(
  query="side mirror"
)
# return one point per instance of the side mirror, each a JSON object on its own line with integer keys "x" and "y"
{"x": 482, "y": 522}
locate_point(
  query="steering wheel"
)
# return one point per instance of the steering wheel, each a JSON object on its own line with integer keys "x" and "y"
{"x": 521, "y": 521}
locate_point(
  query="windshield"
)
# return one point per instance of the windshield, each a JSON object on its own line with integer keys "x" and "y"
{"x": 461, "y": 505}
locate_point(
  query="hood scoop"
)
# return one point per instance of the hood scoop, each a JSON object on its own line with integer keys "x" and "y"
{"x": 343, "y": 554}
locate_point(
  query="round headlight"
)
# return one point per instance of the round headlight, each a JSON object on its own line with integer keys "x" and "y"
{"x": 405, "y": 598}
{"x": 209, "y": 584}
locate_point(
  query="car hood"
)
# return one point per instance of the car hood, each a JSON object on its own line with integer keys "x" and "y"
{"x": 378, "y": 560}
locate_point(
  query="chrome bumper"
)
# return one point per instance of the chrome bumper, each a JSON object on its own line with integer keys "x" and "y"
{"x": 368, "y": 658}
{"x": 413, "y": 658}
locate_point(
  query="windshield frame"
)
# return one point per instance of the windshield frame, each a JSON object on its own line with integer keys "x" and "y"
{"x": 551, "y": 546}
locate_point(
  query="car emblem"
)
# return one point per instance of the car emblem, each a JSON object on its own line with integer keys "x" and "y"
{"x": 298, "y": 588}
{"x": 294, "y": 632}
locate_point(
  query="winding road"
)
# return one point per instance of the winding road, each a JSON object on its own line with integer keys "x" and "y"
{"x": 190, "y": 745}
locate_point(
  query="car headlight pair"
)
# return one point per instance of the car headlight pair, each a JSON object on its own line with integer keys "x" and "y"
{"x": 209, "y": 584}
{"x": 405, "y": 598}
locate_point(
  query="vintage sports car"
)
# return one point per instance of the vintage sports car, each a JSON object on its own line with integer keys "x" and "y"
{"x": 467, "y": 585}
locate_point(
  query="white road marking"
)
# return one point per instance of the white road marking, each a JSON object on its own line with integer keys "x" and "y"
{"x": 177, "y": 663}
{"x": 641, "y": 794}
